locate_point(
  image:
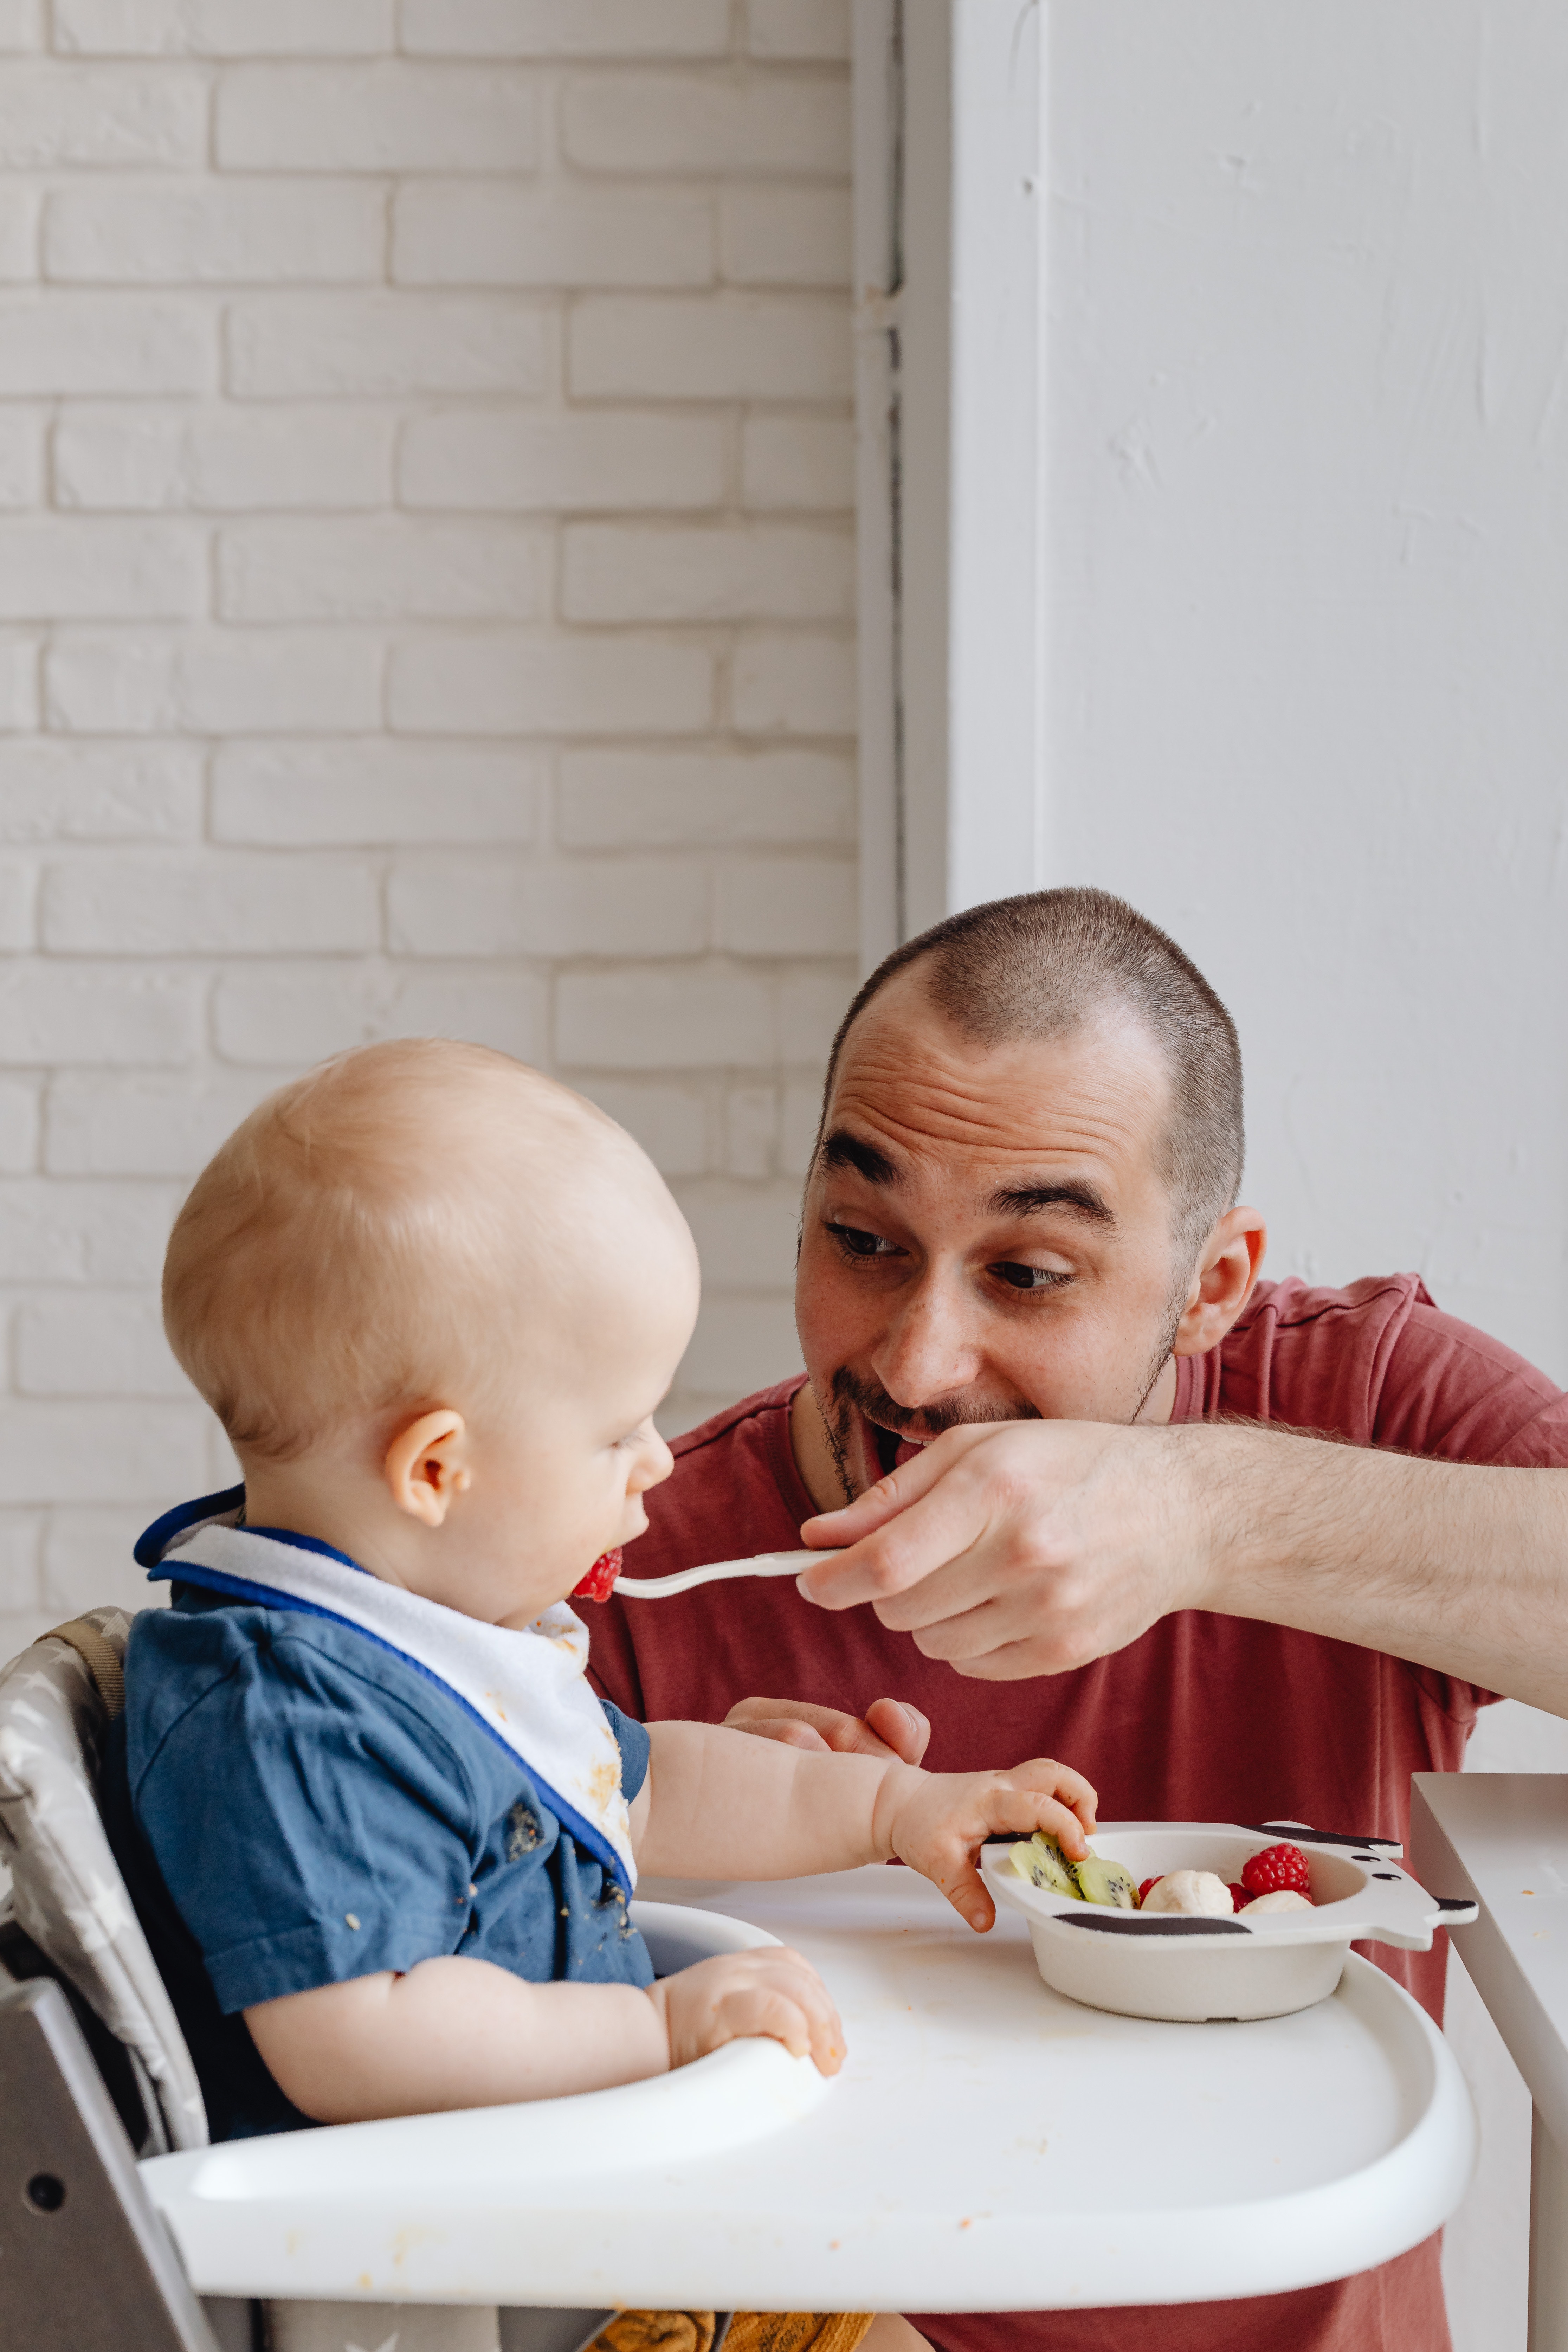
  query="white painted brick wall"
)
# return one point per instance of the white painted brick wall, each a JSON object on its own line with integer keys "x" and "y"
{"x": 426, "y": 579}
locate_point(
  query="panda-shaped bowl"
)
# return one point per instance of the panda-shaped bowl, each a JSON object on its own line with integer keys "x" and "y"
{"x": 1169, "y": 1965}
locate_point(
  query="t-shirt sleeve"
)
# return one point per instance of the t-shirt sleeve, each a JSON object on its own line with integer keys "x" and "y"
{"x": 1456, "y": 1394}
{"x": 309, "y": 1825}
{"x": 632, "y": 1739}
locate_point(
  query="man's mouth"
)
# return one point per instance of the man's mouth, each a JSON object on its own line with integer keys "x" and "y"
{"x": 870, "y": 1435}
{"x": 893, "y": 1450}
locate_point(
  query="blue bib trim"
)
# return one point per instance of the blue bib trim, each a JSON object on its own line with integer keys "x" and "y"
{"x": 151, "y": 1547}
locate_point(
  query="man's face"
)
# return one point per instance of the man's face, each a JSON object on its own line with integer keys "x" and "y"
{"x": 986, "y": 1236}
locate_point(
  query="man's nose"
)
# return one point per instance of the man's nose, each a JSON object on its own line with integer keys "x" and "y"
{"x": 931, "y": 1347}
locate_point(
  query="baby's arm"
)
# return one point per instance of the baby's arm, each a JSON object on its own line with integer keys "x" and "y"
{"x": 718, "y": 1803}
{"x": 452, "y": 2033}
{"x": 456, "y": 2032}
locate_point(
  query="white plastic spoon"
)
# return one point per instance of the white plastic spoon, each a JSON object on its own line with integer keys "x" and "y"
{"x": 767, "y": 1563}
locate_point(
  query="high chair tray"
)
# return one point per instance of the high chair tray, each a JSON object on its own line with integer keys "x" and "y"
{"x": 991, "y": 2144}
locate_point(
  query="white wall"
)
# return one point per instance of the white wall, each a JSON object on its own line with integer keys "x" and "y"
{"x": 426, "y": 595}
{"x": 1307, "y": 695}
{"x": 1309, "y": 508}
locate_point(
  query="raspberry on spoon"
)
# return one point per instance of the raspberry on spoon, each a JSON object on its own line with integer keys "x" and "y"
{"x": 600, "y": 1581}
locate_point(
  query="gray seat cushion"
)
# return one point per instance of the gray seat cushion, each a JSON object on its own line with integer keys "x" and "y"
{"x": 65, "y": 1887}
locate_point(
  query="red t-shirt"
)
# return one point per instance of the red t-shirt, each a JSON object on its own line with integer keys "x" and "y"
{"x": 1202, "y": 1717}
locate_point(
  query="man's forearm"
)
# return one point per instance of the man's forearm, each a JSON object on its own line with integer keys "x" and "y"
{"x": 723, "y": 1805}
{"x": 1456, "y": 1565}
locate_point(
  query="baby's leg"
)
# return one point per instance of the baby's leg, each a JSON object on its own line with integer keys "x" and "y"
{"x": 888, "y": 2332}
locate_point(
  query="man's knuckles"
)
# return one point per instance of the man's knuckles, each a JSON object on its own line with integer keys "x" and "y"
{"x": 886, "y": 1568}
{"x": 790, "y": 1732}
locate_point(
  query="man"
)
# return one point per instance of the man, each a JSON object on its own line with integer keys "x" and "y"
{"x": 1024, "y": 1285}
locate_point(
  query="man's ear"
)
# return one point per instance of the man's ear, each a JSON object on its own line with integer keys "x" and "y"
{"x": 426, "y": 1465}
{"x": 1229, "y": 1266}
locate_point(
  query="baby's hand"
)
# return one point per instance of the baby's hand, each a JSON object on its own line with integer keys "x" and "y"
{"x": 770, "y": 1991}
{"x": 937, "y": 1821}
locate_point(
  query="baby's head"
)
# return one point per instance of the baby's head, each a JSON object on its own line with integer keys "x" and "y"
{"x": 434, "y": 1299}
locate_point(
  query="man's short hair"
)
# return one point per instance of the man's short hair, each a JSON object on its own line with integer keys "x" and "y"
{"x": 1042, "y": 965}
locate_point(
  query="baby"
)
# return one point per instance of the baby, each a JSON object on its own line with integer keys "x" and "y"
{"x": 380, "y": 1829}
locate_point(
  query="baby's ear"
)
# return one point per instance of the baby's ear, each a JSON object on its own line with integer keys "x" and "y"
{"x": 426, "y": 1465}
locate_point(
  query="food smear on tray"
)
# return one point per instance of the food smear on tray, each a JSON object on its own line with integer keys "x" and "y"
{"x": 1276, "y": 1879}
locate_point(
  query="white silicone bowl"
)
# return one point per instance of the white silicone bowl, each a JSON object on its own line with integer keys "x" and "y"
{"x": 1166, "y": 1964}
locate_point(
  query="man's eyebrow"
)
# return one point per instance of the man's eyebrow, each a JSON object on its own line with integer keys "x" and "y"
{"x": 1027, "y": 1200}
{"x": 842, "y": 1149}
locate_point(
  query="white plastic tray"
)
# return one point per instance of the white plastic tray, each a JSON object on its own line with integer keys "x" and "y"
{"x": 990, "y": 2145}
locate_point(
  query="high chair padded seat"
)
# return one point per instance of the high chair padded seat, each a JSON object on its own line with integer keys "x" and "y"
{"x": 67, "y": 1891}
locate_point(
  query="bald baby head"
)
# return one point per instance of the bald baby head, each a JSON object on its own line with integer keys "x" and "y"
{"x": 414, "y": 1223}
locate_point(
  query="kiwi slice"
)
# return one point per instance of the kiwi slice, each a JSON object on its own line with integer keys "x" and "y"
{"x": 1106, "y": 1882}
{"x": 1040, "y": 1861}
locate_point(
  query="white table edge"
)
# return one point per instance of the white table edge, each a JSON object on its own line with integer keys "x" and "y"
{"x": 1533, "y": 2041}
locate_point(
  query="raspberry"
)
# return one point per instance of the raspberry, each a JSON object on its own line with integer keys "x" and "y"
{"x": 600, "y": 1581}
{"x": 1277, "y": 1868}
{"x": 1238, "y": 1896}
{"x": 1143, "y": 1890}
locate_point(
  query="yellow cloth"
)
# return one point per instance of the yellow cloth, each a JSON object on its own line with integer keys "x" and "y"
{"x": 750, "y": 2331}
{"x": 657, "y": 2331}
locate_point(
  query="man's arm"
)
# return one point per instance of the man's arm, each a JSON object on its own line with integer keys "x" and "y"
{"x": 1031, "y": 1548}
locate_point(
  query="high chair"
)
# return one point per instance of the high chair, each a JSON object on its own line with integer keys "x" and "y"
{"x": 420, "y": 2229}
{"x": 95, "y": 2073}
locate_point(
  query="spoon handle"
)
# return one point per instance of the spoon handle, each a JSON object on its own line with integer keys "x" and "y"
{"x": 686, "y": 1579}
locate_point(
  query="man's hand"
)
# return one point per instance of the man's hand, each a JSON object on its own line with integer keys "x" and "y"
{"x": 1023, "y": 1547}
{"x": 937, "y": 1822}
{"x": 1029, "y": 1548}
{"x": 889, "y": 1727}
{"x": 770, "y": 1991}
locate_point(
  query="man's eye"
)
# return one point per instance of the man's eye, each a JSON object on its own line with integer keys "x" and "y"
{"x": 858, "y": 1244}
{"x": 1029, "y": 1277}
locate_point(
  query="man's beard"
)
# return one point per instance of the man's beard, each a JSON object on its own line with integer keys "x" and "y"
{"x": 847, "y": 1395}
{"x": 1166, "y": 1348}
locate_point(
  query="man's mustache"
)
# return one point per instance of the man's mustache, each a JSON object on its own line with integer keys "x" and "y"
{"x": 869, "y": 1398}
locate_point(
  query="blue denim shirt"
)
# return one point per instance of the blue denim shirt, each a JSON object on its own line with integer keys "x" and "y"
{"x": 293, "y": 1805}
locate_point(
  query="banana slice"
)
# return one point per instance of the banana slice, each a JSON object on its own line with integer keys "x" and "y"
{"x": 1197, "y": 1892}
